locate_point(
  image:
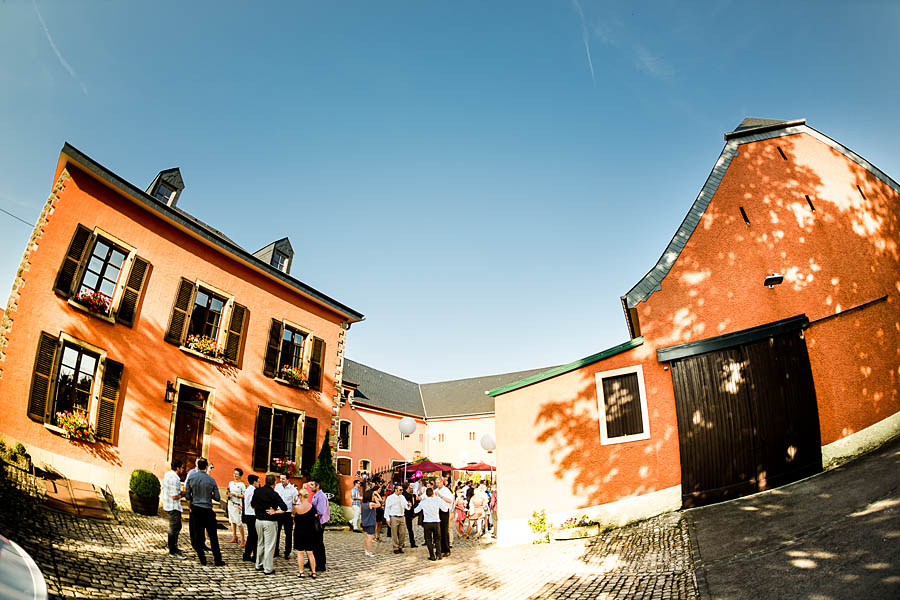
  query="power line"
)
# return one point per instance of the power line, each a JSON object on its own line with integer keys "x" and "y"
{"x": 17, "y": 218}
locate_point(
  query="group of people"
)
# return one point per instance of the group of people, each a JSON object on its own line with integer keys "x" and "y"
{"x": 267, "y": 510}
{"x": 396, "y": 507}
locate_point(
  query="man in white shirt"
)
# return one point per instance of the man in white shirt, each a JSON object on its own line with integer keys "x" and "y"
{"x": 395, "y": 512}
{"x": 430, "y": 507}
{"x": 250, "y": 520}
{"x": 446, "y": 496}
{"x": 171, "y": 500}
{"x": 288, "y": 493}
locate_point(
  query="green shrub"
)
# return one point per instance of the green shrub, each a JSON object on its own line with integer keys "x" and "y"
{"x": 144, "y": 484}
{"x": 337, "y": 514}
{"x": 324, "y": 472}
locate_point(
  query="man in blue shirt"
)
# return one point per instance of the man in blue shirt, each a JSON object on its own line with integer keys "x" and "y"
{"x": 201, "y": 490}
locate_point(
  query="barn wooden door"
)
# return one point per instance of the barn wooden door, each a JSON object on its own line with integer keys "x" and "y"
{"x": 747, "y": 414}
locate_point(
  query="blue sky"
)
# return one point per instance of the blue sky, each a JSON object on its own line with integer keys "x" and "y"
{"x": 483, "y": 180}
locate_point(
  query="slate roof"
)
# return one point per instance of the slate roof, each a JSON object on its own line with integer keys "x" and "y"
{"x": 382, "y": 390}
{"x": 466, "y": 396}
{"x": 201, "y": 229}
{"x": 461, "y": 397}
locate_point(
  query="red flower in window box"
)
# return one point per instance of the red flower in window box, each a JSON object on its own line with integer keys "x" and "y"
{"x": 96, "y": 302}
{"x": 75, "y": 424}
{"x": 204, "y": 345}
{"x": 293, "y": 376}
{"x": 287, "y": 467}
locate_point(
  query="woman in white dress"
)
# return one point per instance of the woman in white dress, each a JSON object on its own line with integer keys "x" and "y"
{"x": 236, "y": 489}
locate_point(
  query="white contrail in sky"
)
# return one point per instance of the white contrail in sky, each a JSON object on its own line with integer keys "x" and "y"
{"x": 59, "y": 55}
{"x": 584, "y": 37}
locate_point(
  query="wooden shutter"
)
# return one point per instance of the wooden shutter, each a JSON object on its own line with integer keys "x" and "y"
{"x": 239, "y": 317}
{"x": 131, "y": 296}
{"x": 109, "y": 401}
{"x": 622, "y": 400}
{"x": 262, "y": 438}
{"x": 41, "y": 383}
{"x": 181, "y": 311}
{"x": 65, "y": 279}
{"x": 270, "y": 365}
{"x": 316, "y": 364}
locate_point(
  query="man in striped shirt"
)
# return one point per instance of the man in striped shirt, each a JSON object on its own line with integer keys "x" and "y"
{"x": 171, "y": 500}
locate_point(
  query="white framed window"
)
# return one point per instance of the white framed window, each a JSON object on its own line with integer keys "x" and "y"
{"x": 344, "y": 429}
{"x": 622, "y": 405}
{"x": 365, "y": 464}
{"x": 343, "y": 466}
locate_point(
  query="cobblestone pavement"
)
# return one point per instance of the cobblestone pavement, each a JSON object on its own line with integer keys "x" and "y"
{"x": 84, "y": 558}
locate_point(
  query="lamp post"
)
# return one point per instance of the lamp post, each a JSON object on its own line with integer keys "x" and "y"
{"x": 407, "y": 426}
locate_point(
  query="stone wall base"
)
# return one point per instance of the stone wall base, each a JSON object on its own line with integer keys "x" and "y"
{"x": 513, "y": 532}
{"x": 865, "y": 440}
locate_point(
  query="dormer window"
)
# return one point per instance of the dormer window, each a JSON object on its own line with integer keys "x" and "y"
{"x": 280, "y": 261}
{"x": 163, "y": 192}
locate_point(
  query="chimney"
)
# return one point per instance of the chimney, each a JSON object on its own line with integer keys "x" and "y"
{"x": 167, "y": 186}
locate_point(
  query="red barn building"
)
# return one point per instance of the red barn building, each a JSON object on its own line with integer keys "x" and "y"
{"x": 169, "y": 338}
{"x": 765, "y": 345}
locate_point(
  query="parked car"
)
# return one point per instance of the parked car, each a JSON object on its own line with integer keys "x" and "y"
{"x": 20, "y": 577}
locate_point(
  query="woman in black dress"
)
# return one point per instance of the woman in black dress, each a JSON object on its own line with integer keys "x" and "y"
{"x": 305, "y": 518}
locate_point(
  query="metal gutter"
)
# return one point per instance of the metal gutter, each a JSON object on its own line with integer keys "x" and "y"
{"x": 560, "y": 370}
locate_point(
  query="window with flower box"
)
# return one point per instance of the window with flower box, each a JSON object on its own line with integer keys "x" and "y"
{"x": 102, "y": 275}
{"x": 73, "y": 382}
{"x": 207, "y": 321}
{"x": 284, "y": 433}
{"x": 293, "y": 355}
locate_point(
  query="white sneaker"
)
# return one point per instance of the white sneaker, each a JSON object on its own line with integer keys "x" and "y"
{"x": 369, "y": 553}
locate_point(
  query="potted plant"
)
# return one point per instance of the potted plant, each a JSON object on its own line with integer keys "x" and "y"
{"x": 95, "y": 302}
{"x": 575, "y": 528}
{"x": 75, "y": 424}
{"x": 293, "y": 376}
{"x": 143, "y": 490}
{"x": 539, "y": 527}
{"x": 205, "y": 345}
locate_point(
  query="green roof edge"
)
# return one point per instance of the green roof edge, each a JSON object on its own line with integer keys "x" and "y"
{"x": 555, "y": 371}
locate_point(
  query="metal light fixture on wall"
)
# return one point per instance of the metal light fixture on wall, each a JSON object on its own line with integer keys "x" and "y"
{"x": 773, "y": 280}
{"x": 170, "y": 392}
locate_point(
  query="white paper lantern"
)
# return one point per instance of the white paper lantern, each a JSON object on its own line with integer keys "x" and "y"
{"x": 488, "y": 442}
{"x": 407, "y": 425}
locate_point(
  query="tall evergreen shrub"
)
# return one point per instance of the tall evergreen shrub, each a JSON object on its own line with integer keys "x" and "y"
{"x": 323, "y": 471}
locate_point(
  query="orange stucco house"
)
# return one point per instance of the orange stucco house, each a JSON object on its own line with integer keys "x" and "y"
{"x": 764, "y": 346}
{"x": 168, "y": 337}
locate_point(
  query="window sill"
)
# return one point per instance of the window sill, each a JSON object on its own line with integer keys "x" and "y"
{"x": 76, "y": 305}
{"x": 212, "y": 359}
{"x": 303, "y": 386}
{"x": 62, "y": 433}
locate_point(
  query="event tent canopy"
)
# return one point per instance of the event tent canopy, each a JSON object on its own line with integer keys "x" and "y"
{"x": 478, "y": 467}
{"x": 426, "y": 466}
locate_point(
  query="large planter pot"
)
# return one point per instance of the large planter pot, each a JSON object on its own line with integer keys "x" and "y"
{"x": 574, "y": 533}
{"x": 144, "y": 506}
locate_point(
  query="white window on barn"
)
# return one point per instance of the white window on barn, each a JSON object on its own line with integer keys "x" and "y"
{"x": 622, "y": 403}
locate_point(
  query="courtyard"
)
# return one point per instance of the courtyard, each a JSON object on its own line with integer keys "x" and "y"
{"x": 832, "y": 536}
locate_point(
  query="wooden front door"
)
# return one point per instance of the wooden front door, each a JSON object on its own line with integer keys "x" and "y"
{"x": 190, "y": 420}
{"x": 747, "y": 418}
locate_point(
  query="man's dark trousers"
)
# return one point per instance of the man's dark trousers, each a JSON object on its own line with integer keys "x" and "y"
{"x": 433, "y": 539}
{"x": 319, "y": 550}
{"x": 174, "y": 530}
{"x": 410, "y": 516}
{"x": 252, "y": 538}
{"x": 286, "y": 522}
{"x": 444, "y": 515}
{"x": 205, "y": 524}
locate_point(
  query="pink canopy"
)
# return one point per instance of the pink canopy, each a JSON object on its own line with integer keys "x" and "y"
{"x": 426, "y": 466}
{"x": 478, "y": 467}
